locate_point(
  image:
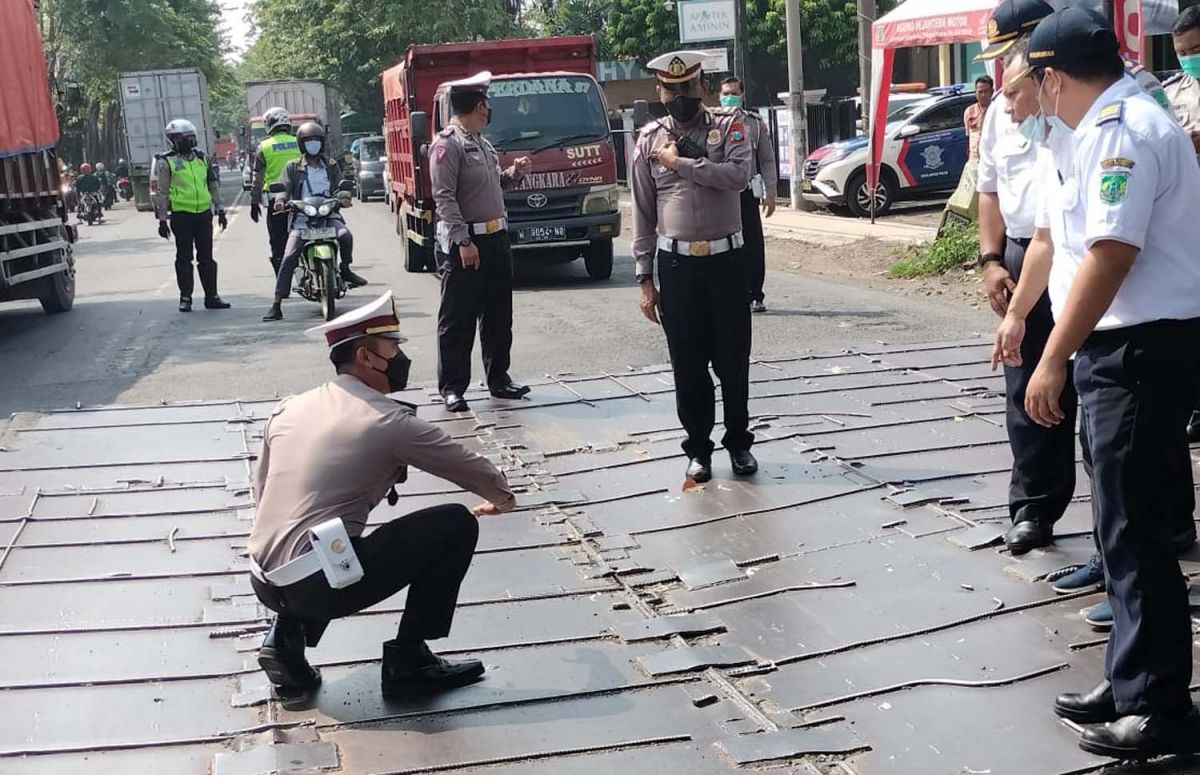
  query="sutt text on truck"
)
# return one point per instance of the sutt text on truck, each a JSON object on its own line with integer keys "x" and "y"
{"x": 547, "y": 105}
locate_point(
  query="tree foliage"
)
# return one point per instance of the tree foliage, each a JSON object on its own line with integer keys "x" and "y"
{"x": 572, "y": 17}
{"x": 350, "y": 42}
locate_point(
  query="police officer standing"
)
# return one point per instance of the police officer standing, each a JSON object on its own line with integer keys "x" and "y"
{"x": 186, "y": 193}
{"x": 689, "y": 170}
{"x": 763, "y": 185}
{"x": 1183, "y": 90}
{"x": 473, "y": 247}
{"x": 1043, "y": 472}
{"x": 1126, "y": 298}
{"x": 309, "y": 506}
{"x": 274, "y": 152}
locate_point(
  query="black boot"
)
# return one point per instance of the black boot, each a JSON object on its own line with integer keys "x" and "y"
{"x": 281, "y": 657}
{"x": 274, "y": 313}
{"x": 699, "y": 469}
{"x": 410, "y": 668}
{"x": 1138, "y": 738}
{"x": 353, "y": 280}
{"x": 1094, "y": 707}
{"x": 185, "y": 303}
{"x": 216, "y": 302}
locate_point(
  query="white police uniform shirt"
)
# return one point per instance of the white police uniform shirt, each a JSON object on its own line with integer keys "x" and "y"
{"x": 1008, "y": 168}
{"x": 1135, "y": 181}
{"x": 1055, "y": 174}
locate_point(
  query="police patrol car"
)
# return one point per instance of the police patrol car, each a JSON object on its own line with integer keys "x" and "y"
{"x": 924, "y": 151}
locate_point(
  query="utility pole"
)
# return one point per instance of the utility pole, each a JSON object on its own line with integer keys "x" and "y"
{"x": 799, "y": 115}
{"x": 739, "y": 43}
{"x": 866, "y": 17}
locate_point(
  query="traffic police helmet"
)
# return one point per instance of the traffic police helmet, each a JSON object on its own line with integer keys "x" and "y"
{"x": 311, "y": 132}
{"x": 181, "y": 134}
{"x": 276, "y": 118}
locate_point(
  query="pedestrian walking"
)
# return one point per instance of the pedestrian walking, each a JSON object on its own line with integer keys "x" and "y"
{"x": 473, "y": 247}
{"x": 274, "y": 152}
{"x": 689, "y": 170}
{"x": 185, "y": 194}
{"x": 310, "y": 562}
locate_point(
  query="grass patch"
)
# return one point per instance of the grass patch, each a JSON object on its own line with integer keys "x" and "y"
{"x": 956, "y": 246}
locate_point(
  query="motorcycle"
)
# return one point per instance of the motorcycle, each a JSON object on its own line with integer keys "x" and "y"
{"x": 320, "y": 280}
{"x": 125, "y": 187}
{"x": 110, "y": 195}
{"x": 91, "y": 209}
{"x": 70, "y": 196}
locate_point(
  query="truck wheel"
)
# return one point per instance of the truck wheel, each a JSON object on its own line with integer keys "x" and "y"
{"x": 859, "y": 201}
{"x": 598, "y": 258}
{"x": 59, "y": 295}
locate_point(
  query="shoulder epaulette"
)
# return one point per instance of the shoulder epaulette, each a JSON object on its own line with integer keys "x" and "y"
{"x": 1174, "y": 79}
{"x": 1111, "y": 113}
{"x": 650, "y": 127}
{"x": 164, "y": 154}
{"x": 446, "y": 132}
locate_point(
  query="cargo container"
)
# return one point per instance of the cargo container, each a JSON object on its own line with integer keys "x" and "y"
{"x": 303, "y": 99}
{"x": 36, "y": 261}
{"x": 150, "y": 100}
{"x": 547, "y": 105}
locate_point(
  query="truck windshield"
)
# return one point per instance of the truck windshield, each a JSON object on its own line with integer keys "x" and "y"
{"x": 540, "y": 112}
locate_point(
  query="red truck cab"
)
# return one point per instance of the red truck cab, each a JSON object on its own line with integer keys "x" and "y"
{"x": 547, "y": 105}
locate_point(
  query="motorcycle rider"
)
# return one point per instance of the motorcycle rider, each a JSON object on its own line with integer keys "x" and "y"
{"x": 87, "y": 183}
{"x": 274, "y": 151}
{"x": 122, "y": 169}
{"x": 108, "y": 188}
{"x": 185, "y": 189}
{"x": 311, "y": 175}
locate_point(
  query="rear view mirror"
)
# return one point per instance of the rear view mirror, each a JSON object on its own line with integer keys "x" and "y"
{"x": 419, "y": 123}
{"x": 277, "y": 188}
{"x": 908, "y": 130}
{"x": 346, "y": 185}
{"x": 641, "y": 113}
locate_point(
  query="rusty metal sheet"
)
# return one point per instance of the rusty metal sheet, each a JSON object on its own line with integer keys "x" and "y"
{"x": 181, "y": 759}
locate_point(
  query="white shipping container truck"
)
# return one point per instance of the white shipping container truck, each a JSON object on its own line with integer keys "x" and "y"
{"x": 149, "y": 101}
{"x": 299, "y": 98}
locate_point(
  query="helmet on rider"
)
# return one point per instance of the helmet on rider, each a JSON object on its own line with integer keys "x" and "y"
{"x": 85, "y": 168}
{"x": 181, "y": 134}
{"x": 99, "y": 166}
{"x": 277, "y": 119}
{"x": 120, "y": 162}
{"x": 311, "y": 137}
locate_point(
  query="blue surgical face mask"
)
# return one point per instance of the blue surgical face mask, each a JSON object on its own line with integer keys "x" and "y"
{"x": 312, "y": 147}
{"x": 1054, "y": 121}
{"x": 1033, "y": 128}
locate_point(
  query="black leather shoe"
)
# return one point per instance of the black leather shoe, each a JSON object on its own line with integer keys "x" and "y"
{"x": 413, "y": 668}
{"x": 699, "y": 469}
{"x": 510, "y": 391}
{"x": 1193, "y": 428}
{"x": 281, "y": 657}
{"x": 743, "y": 462}
{"x": 1145, "y": 737}
{"x": 216, "y": 302}
{"x": 1094, "y": 707}
{"x": 455, "y": 402}
{"x": 1028, "y": 534}
{"x": 352, "y": 279}
{"x": 185, "y": 303}
{"x": 274, "y": 313}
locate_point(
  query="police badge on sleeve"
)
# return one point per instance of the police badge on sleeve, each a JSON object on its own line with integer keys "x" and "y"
{"x": 1114, "y": 180}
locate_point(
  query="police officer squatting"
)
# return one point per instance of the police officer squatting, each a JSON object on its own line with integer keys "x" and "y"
{"x": 1116, "y": 181}
{"x": 329, "y": 457}
{"x": 185, "y": 193}
{"x": 688, "y": 173}
{"x": 473, "y": 248}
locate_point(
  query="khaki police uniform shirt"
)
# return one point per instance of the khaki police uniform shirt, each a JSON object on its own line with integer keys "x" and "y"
{"x": 336, "y": 451}
{"x": 160, "y": 172}
{"x": 700, "y": 200}
{"x": 468, "y": 184}
{"x": 764, "y": 149}
{"x": 1184, "y": 93}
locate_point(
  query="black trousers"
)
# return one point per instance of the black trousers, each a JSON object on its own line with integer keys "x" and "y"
{"x": 277, "y": 233}
{"x": 707, "y": 321}
{"x": 1136, "y": 389}
{"x": 428, "y": 551}
{"x": 194, "y": 238}
{"x": 1043, "y": 473}
{"x": 754, "y": 252}
{"x": 472, "y": 297}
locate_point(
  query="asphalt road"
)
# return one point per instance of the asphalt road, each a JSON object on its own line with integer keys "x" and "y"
{"x": 125, "y": 341}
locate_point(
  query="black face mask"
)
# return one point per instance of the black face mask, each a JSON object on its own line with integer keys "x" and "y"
{"x": 185, "y": 143}
{"x": 684, "y": 109}
{"x": 396, "y": 371}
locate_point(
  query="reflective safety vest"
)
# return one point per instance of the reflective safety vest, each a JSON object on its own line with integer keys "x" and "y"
{"x": 189, "y": 184}
{"x": 277, "y": 150}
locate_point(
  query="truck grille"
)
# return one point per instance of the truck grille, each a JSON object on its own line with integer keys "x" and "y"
{"x": 558, "y": 204}
{"x": 810, "y": 169}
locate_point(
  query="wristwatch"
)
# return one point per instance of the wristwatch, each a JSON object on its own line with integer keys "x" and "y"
{"x": 462, "y": 243}
{"x": 984, "y": 258}
{"x": 641, "y": 278}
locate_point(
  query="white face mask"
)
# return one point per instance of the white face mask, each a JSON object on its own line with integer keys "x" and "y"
{"x": 1053, "y": 120}
{"x": 312, "y": 147}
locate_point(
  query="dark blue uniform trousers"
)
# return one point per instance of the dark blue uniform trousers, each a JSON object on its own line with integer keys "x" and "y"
{"x": 1136, "y": 389}
{"x": 1043, "y": 472}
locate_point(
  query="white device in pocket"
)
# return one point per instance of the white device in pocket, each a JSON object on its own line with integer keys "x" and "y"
{"x": 757, "y": 187}
{"x": 331, "y": 544}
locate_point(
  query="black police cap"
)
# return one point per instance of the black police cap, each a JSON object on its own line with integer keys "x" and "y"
{"x": 1011, "y": 20}
{"x": 1070, "y": 35}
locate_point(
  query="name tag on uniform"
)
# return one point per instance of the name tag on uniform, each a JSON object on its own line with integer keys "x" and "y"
{"x": 339, "y": 561}
{"x": 178, "y": 163}
{"x": 493, "y": 226}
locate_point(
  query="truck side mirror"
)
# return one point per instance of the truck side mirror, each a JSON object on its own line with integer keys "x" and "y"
{"x": 641, "y": 113}
{"x": 277, "y": 188}
{"x": 419, "y": 123}
{"x": 908, "y": 130}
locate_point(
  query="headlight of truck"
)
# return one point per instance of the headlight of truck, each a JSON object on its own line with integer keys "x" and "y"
{"x": 601, "y": 199}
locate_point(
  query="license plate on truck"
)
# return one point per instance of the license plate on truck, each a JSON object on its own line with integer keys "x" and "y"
{"x": 541, "y": 234}
{"x": 315, "y": 234}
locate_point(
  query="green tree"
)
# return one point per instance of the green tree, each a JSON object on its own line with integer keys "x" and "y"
{"x": 572, "y": 17}
{"x": 350, "y": 42}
